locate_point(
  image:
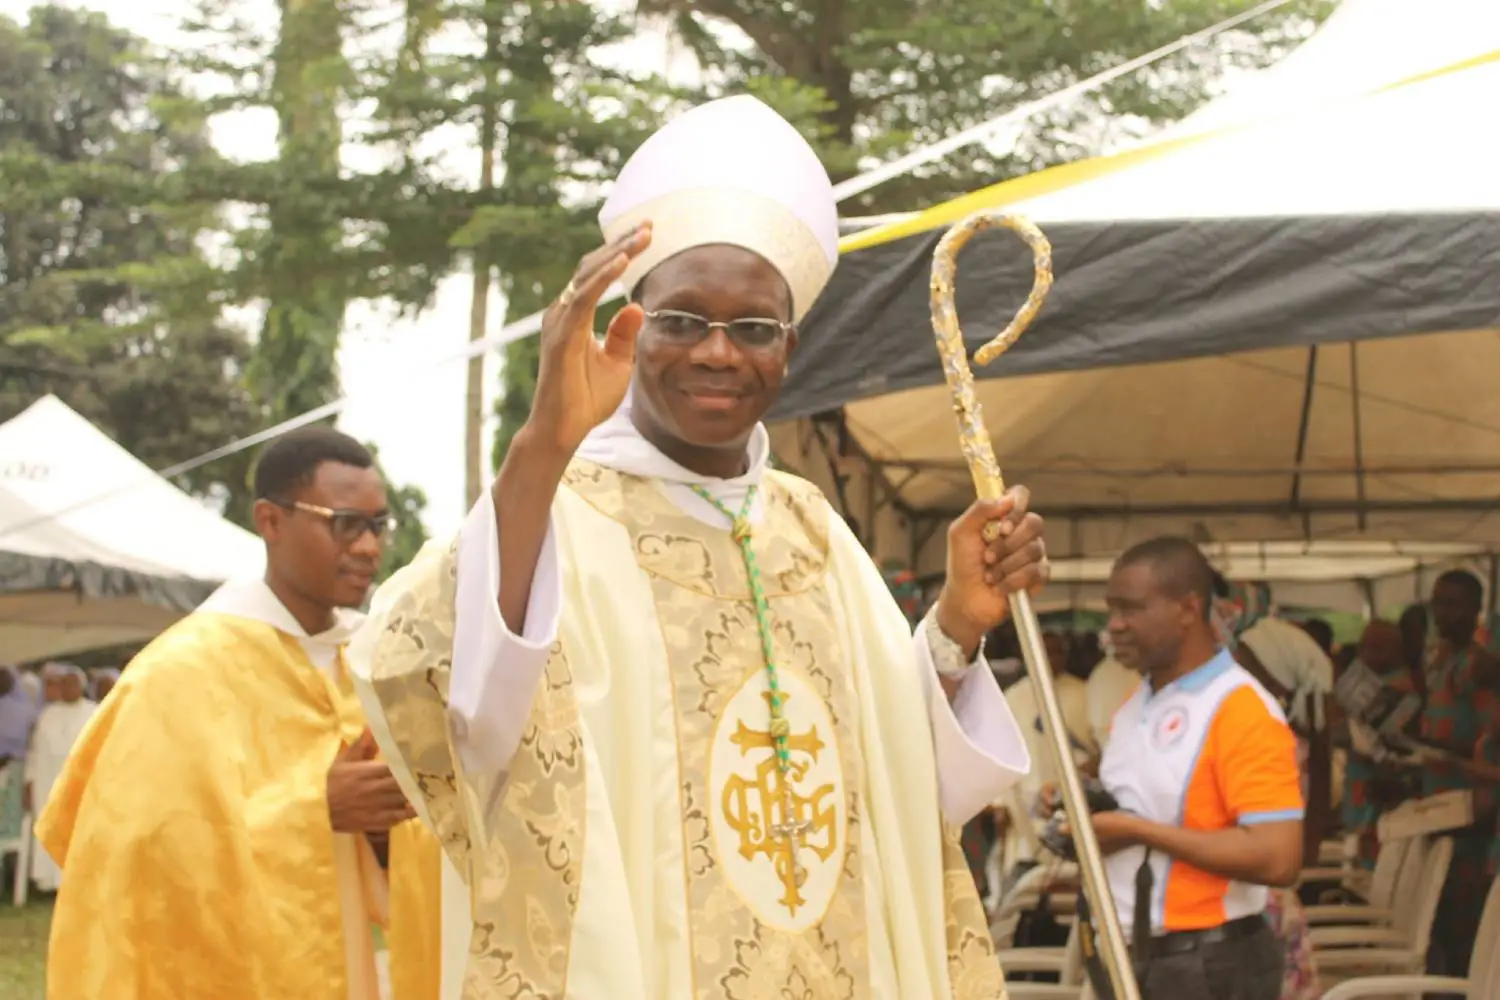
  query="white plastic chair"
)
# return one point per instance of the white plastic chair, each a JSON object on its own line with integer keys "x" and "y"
{"x": 1482, "y": 982}
{"x": 1339, "y": 852}
{"x": 22, "y": 887}
{"x": 1400, "y": 948}
{"x": 1066, "y": 962}
{"x": 1027, "y": 894}
{"x": 1363, "y": 917}
{"x": 21, "y": 847}
{"x": 1377, "y": 888}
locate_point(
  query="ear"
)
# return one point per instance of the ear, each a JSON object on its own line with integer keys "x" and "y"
{"x": 1192, "y": 606}
{"x": 791, "y": 342}
{"x": 267, "y": 519}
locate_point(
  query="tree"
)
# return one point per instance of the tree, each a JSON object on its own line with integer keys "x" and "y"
{"x": 553, "y": 137}
{"x": 551, "y": 122}
{"x": 294, "y": 368}
{"x": 105, "y": 299}
{"x": 407, "y": 503}
{"x": 318, "y": 236}
{"x": 869, "y": 83}
{"x": 887, "y": 76}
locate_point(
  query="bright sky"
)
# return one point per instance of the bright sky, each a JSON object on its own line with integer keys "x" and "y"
{"x": 403, "y": 397}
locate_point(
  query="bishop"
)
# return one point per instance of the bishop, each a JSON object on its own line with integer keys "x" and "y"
{"x": 655, "y": 700}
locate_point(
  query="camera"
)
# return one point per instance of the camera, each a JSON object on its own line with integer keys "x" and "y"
{"x": 1098, "y": 800}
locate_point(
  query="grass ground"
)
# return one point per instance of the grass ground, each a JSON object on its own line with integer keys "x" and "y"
{"x": 23, "y": 950}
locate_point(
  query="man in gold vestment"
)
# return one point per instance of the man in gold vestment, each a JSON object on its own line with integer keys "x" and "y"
{"x": 221, "y": 820}
{"x": 673, "y": 731}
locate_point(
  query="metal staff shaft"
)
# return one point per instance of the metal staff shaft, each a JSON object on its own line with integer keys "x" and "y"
{"x": 974, "y": 440}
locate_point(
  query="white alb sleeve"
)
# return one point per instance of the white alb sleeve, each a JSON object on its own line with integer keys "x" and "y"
{"x": 495, "y": 672}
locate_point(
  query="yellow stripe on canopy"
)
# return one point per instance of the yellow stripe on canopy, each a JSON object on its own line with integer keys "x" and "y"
{"x": 1009, "y": 192}
{"x": 1067, "y": 175}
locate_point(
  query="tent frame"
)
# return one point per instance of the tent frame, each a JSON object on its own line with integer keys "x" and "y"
{"x": 847, "y": 456}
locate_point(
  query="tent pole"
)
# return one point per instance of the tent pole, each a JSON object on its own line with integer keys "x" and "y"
{"x": 1359, "y": 449}
{"x": 1309, "y": 384}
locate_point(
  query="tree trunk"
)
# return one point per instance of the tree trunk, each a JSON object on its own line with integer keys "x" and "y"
{"x": 474, "y": 470}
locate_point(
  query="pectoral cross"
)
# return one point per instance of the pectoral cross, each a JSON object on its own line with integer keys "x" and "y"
{"x": 790, "y": 831}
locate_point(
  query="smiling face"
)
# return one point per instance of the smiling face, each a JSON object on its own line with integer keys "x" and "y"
{"x": 699, "y": 400}
{"x": 323, "y": 559}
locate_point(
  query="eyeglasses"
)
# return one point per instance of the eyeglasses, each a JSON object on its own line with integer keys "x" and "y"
{"x": 753, "y": 334}
{"x": 347, "y": 526}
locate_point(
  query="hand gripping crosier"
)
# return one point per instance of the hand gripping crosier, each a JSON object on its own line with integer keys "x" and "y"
{"x": 974, "y": 441}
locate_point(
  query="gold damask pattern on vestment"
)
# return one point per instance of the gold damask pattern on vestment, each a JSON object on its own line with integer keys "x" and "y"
{"x": 524, "y": 875}
{"x": 756, "y": 932}
{"x": 787, "y": 942}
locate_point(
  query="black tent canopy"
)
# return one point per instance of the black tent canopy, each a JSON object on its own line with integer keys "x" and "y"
{"x": 1280, "y": 327}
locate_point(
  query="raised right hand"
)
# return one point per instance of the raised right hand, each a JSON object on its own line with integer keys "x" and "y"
{"x": 363, "y": 796}
{"x": 581, "y": 381}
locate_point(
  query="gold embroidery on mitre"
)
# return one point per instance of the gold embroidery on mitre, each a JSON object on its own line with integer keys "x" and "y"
{"x": 786, "y": 868}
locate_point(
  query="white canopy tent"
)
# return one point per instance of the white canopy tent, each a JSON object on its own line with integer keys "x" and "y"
{"x": 1328, "y": 435}
{"x": 95, "y": 549}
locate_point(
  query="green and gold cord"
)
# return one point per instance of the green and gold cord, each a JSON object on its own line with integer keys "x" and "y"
{"x": 740, "y": 531}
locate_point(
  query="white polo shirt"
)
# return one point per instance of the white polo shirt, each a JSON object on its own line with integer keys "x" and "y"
{"x": 1208, "y": 751}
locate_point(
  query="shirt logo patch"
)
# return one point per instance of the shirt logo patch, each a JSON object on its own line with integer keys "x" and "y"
{"x": 1170, "y": 728}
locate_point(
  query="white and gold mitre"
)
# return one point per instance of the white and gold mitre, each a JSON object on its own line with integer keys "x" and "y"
{"x": 730, "y": 171}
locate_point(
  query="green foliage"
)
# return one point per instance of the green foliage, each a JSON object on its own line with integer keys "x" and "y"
{"x": 294, "y": 367}
{"x": 104, "y": 298}
{"x": 108, "y": 183}
{"x": 870, "y": 82}
{"x": 317, "y": 237}
{"x": 899, "y": 74}
{"x": 406, "y": 504}
{"x": 562, "y": 123}
{"x": 517, "y": 386}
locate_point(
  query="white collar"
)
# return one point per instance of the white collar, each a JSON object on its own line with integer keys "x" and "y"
{"x": 254, "y": 599}
{"x": 617, "y": 444}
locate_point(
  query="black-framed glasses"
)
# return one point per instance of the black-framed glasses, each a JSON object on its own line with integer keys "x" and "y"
{"x": 347, "y": 526}
{"x": 753, "y": 333}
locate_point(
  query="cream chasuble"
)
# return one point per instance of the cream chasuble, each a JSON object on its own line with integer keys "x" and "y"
{"x": 605, "y": 785}
{"x": 617, "y": 819}
{"x": 192, "y": 823}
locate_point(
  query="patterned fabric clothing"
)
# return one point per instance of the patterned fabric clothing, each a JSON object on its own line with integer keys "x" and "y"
{"x": 647, "y": 739}
{"x": 1247, "y": 604}
{"x": 1489, "y": 752}
{"x": 1370, "y": 789}
{"x": 1463, "y": 707}
{"x": 1289, "y": 923}
{"x": 904, "y": 588}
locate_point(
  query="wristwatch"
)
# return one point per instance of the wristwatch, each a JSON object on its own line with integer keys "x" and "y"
{"x": 947, "y": 655}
